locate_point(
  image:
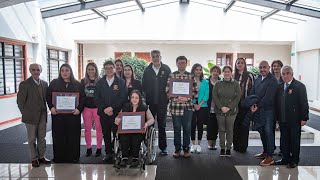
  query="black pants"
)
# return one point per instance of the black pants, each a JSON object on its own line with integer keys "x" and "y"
{"x": 130, "y": 143}
{"x": 198, "y": 118}
{"x": 240, "y": 133}
{"x": 160, "y": 111}
{"x": 212, "y": 127}
{"x": 108, "y": 126}
{"x": 290, "y": 140}
{"x": 66, "y": 132}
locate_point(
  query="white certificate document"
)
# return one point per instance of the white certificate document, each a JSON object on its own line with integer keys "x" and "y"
{"x": 131, "y": 122}
{"x": 66, "y": 103}
{"x": 181, "y": 88}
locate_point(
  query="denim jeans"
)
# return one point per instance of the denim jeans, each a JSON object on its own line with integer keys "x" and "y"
{"x": 267, "y": 133}
{"x": 185, "y": 121}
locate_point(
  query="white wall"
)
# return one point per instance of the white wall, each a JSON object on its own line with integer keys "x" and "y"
{"x": 185, "y": 22}
{"x": 197, "y": 53}
{"x": 23, "y": 22}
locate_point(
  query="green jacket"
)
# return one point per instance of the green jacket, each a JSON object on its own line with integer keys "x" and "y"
{"x": 226, "y": 94}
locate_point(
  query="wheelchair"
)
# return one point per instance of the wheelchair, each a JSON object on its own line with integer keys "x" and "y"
{"x": 147, "y": 153}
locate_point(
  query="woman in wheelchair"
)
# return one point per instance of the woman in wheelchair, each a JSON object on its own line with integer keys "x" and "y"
{"x": 130, "y": 143}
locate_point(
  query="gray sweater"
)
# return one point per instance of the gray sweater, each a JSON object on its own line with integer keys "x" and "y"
{"x": 226, "y": 94}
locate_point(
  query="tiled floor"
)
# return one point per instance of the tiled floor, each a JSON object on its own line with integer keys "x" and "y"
{"x": 74, "y": 172}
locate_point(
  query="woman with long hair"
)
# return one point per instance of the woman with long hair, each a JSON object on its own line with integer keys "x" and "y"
{"x": 90, "y": 112}
{"x": 66, "y": 127}
{"x": 119, "y": 67}
{"x": 276, "y": 66}
{"x": 131, "y": 82}
{"x": 246, "y": 80}
{"x": 226, "y": 95}
{"x": 130, "y": 143}
{"x": 201, "y": 113}
{"x": 212, "y": 124}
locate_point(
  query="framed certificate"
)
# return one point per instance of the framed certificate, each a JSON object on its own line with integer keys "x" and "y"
{"x": 180, "y": 87}
{"x": 65, "y": 102}
{"x": 131, "y": 122}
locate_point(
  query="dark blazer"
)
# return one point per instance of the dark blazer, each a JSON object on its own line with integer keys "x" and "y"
{"x": 292, "y": 105}
{"x": 149, "y": 77}
{"x": 114, "y": 96}
{"x": 265, "y": 89}
{"x": 29, "y": 101}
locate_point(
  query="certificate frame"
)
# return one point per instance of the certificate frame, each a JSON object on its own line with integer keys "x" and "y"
{"x": 132, "y": 131}
{"x": 65, "y": 111}
{"x": 171, "y": 94}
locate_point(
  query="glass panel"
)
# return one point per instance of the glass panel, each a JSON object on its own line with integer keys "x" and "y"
{"x": 18, "y": 51}
{"x": 312, "y": 4}
{"x": 19, "y": 72}
{"x": 54, "y": 70}
{"x": 1, "y": 78}
{"x": 56, "y": 3}
{"x": 8, "y": 48}
{"x": 9, "y": 68}
{"x": 53, "y": 54}
{"x": 0, "y": 49}
{"x": 62, "y": 55}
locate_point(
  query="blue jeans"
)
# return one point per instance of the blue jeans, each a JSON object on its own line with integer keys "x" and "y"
{"x": 185, "y": 121}
{"x": 267, "y": 133}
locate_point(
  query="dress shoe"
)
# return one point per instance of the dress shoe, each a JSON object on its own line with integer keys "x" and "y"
{"x": 267, "y": 161}
{"x": 44, "y": 161}
{"x": 35, "y": 163}
{"x": 177, "y": 153}
{"x": 89, "y": 152}
{"x": 186, "y": 153}
{"x": 98, "y": 152}
{"x": 292, "y": 165}
{"x": 260, "y": 156}
{"x": 281, "y": 162}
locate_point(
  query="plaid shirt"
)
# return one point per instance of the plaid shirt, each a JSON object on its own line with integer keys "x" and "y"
{"x": 177, "y": 108}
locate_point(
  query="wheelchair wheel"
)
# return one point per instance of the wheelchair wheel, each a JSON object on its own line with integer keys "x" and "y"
{"x": 151, "y": 144}
{"x": 141, "y": 161}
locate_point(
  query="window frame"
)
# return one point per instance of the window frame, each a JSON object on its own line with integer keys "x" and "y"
{"x": 49, "y": 59}
{"x": 3, "y": 58}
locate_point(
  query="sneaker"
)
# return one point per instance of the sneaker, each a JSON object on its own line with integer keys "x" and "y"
{"x": 164, "y": 152}
{"x": 198, "y": 148}
{"x": 228, "y": 153}
{"x": 193, "y": 148}
{"x": 222, "y": 153}
{"x": 98, "y": 152}
{"x": 177, "y": 153}
{"x": 212, "y": 147}
{"x": 186, "y": 153}
{"x": 89, "y": 152}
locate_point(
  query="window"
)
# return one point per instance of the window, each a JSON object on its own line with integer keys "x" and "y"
{"x": 143, "y": 55}
{"x": 11, "y": 67}
{"x": 224, "y": 59}
{"x": 249, "y": 57}
{"x": 55, "y": 59}
{"x": 119, "y": 54}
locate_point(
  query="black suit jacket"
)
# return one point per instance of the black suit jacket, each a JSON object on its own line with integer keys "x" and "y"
{"x": 292, "y": 105}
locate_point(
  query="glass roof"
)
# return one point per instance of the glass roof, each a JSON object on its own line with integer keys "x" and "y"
{"x": 130, "y": 6}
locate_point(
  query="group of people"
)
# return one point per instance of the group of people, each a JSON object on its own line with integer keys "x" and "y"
{"x": 228, "y": 106}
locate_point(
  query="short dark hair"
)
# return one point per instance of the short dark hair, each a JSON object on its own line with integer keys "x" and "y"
{"x": 155, "y": 52}
{"x": 181, "y": 58}
{"x": 109, "y": 62}
{"x": 215, "y": 67}
{"x": 227, "y": 67}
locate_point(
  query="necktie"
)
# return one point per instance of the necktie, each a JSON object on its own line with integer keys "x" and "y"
{"x": 286, "y": 86}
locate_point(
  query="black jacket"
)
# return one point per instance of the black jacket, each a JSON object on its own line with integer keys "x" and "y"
{"x": 149, "y": 77}
{"x": 292, "y": 105}
{"x": 266, "y": 91}
{"x": 114, "y": 96}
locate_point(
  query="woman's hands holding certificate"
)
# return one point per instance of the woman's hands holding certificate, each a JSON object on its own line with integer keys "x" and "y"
{"x": 117, "y": 120}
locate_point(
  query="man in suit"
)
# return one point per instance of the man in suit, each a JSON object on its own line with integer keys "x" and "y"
{"x": 292, "y": 103}
{"x": 265, "y": 87}
{"x": 154, "y": 84}
{"x": 31, "y": 100}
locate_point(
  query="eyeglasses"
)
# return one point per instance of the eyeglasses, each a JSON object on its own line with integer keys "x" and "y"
{"x": 285, "y": 73}
{"x": 156, "y": 56}
{"x": 263, "y": 67}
